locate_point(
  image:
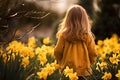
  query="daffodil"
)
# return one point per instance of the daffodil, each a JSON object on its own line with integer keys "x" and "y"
{"x": 102, "y": 65}
{"x": 25, "y": 62}
{"x": 37, "y": 50}
{"x": 107, "y": 76}
{"x": 46, "y": 40}
{"x": 114, "y": 59}
{"x": 54, "y": 64}
{"x": 42, "y": 59}
{"x": 100, "y": 42}
{"x": 13, "y": 56}
{"x": 118, "y": 74}
{"x": 47, "y": 70}
{"x": 68, "y": 71}
{"x": 73, "y": 76}
{"x": 102, "y": 57}
{"x": 31, "y": 54}
{"x": 31, "y": 42}
{"x": 24, "y": 51}
{"x": 15, "y": 47}
{"x": 50, "y": 51}
{"x": 42, "y": 75}
{"x": 50, "y": 69}
{"x": 115, "y": 50}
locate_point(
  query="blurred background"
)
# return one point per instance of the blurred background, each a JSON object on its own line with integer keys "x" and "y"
{"x": 21, "y": 19}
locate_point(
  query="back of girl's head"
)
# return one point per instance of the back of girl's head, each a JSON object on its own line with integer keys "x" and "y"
{"x": 75, "y": 24}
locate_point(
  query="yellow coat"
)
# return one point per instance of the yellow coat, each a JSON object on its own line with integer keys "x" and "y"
{"x": 78, "y": 55}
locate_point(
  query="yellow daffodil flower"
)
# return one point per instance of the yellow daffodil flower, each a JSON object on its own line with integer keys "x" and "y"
{"x": 25, "y": 61}
{"x": 107, "y": 76}
{"x": 31, "y": 42}
{"x": 46, "y": 40}
{"x": 68, "y": 71}
{"x": 114, "y": 59}
{"x": 73, "y": 76}
{"x": 42, "y": 74}
{"x": 100, "y": 42}
{"x": 118, "y": 75}
{"x": 102, "y": 65}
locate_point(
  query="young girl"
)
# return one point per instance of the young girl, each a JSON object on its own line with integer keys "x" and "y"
{"x": 75, "y": 47}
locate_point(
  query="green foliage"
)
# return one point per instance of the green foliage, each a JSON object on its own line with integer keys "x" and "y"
{"x": 12, "y": 69}
{"x": 107, "y": 21}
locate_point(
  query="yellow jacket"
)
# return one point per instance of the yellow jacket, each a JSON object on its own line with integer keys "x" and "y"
{"x": 78, "y": 55}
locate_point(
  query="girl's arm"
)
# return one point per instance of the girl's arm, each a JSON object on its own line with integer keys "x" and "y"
{"x": 91, "y": 50}
{"x": 59, "y": 48}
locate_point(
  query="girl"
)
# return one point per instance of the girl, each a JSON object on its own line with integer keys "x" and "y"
{"x": 75, "y": 47}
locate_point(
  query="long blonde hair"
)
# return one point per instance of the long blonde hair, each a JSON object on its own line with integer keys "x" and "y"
{"x": 75, "y": 24}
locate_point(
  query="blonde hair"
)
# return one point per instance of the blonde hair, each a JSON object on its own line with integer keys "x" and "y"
{"x": 75, "y": 24}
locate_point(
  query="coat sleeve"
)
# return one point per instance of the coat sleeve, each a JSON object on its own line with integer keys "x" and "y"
{"x": 91, "y": 50}
{"x": 59, "y": 48}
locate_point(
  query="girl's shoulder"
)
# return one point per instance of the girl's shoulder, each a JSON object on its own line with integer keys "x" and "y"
{"x": 90, "y": 38}
{"x": 90, "y": 35}
{"x": 61, "y": 38}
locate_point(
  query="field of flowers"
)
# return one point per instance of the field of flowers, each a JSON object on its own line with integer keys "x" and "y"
{"x": 30, "y": 61}
{"x": 107, "y": 66}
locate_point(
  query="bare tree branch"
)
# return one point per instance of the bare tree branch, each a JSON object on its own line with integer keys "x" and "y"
{"x": 12, "y": 11}
{"x": 49, "y": 0}
{"x": 45, "y": 15}
{"x": 29, "y": 31}
{"x": 13, "y": 15}
{"x": 28, "y": 15}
